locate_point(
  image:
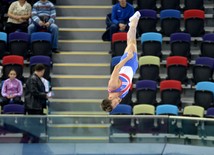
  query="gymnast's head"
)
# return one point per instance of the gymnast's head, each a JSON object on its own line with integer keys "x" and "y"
{"x": 108, "y": 104}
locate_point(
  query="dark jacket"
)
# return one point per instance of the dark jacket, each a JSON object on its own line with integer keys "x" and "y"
{"x": 35, "y": 95}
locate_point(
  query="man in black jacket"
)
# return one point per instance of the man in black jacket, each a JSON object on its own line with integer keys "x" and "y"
{"x": 35, "y": 96}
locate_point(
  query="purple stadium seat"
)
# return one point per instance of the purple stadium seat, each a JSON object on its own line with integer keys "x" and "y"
{"x": 203, "y": 69}
{"x": 210, "y": 112}
{"x": 147, "y": 22}
{"x": 18, "y": 43}
{"x": 14, "y": 108}
{"x": 45, "y": 60}
{"x": 180, "y": 44}
{"x": 146, "y": 92}
{"x": 207, "y": 45}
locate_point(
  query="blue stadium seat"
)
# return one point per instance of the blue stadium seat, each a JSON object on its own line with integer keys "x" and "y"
{"x": 167, "y": 109}
{"x": 41, "y": 43}
{"x": 170, "y": 21}
{"x": 151, "y": 44}
{"x": 3, "y": 43}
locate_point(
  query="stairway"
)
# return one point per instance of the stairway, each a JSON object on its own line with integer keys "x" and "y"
{"x": 82, "y": 70}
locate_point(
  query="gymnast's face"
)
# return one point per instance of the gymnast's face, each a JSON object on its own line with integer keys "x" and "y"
{"x": 115, "y": 101}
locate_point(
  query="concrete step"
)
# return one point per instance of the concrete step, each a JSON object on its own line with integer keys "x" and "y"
{"x": 83, "y": 45}
{"x": 78, "y": 34}
{"x": 78, "y": 130}
{"x": 78, "y": 81}
{"x": 81, "y": 22}
{"x": 84, "y": 10}
{"x": 99, "y": 93}
{"x": 82, "y": 57}
{"x": 87, "y": 105}
{"x": 74, "y": 139}
{"x": 80, "y": 92}
{"x": 81, "y": 69}
{"x": 84, "y": 2}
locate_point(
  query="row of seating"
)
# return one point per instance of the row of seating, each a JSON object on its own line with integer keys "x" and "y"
{"x": 18, "y": 43}
{"x": 167, "y": 4}
{"x": 170, "y": 22}
{"x": 176, "y": 67}
{"x": 145, "y": 109}
{"x": 170, "y": 93}
{"x": 17, "y": 62}
{"x": 151, "y": 42}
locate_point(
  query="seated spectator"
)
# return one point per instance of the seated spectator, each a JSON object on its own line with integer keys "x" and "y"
{"x": 12, "y": 89}
{"x": 121, "y": 12}
{"x": 43, "y": 15}
{"x": 19, "y": 12}
{"x": 35, "y": 95}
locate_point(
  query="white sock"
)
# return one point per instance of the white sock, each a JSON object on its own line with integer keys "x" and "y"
{"x": 137, "y": 15}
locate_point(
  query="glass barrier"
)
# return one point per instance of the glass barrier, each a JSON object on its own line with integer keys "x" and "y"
{"x": 22, "y": 129}
{"x": 113, "y": 134}
{"x": 191, "y": 131}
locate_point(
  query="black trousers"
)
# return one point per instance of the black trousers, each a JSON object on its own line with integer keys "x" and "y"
{"x": 16, "y": 100}
{"x": 11, "y": 27}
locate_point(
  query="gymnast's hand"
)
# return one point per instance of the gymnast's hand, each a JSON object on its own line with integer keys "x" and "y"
{"x": 130, "y": 55}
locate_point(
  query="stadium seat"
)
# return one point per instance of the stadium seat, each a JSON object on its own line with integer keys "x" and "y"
{"x": 208, "y": 130}
{"x": 203, "y": 69}
{"x": 41, "y": 43}
{"x": 3, "y": 43}
{"x": 144, "y": 109}
{"x": 177, "y": 68}
{"x": 13, "y": 62}
{"x": 122, "y": 109}
{"x": 194, "y": 22}
{"x": 170, "y": 21}
{"x": 119, "y": 43}
{"x": 171, "y": 92}
{"x": 210, "y": 112}
{"x": 190, "y": 127}
{"x": 121, "y": 124}
{"x": 167, "y": 110}
{"x": 180, "y": 44}
{"x": 18, "y": 43}
{"x": 195, "y": 111}
{"x": 45, "y": 60}
{"x": 169, "y": 4}
{"x": 151, "y": 44}
{"x": 144, "y": 125}
{"x": 207, "y": 45}
{"x": 147, "y": 21}
{"x": 114, "y": 61}
{"x": 149, "y": 68}
{"x": 193, "y": 4}
{"x": 146, "y": 4}
{"x": 146, "y": 92}
{"x": 14, "y": 109}
{"x": 204, "y": 94}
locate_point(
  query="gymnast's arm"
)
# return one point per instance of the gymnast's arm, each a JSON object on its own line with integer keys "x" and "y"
{"x": 114, "y": 80}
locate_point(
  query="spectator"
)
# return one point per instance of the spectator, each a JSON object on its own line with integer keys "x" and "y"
{"x": 19, "y": 12}
{"x": 43, "y": 15}
{"x": 11, "y": 89}
{"x": 35, "y": 96}
{"x": 121, "y": 12}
